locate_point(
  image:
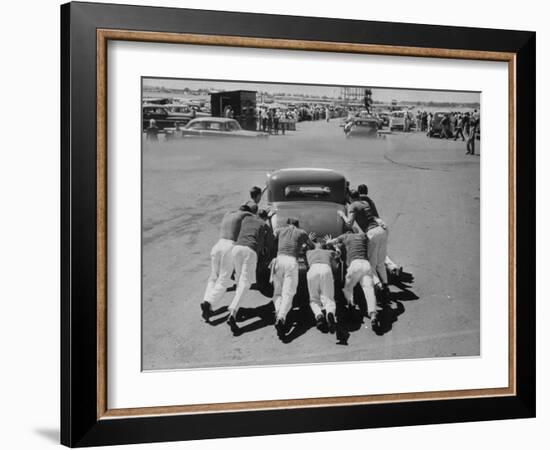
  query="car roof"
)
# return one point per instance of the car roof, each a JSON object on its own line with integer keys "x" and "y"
{"x": 306, "y": 174}
{"x": 176, "y": 105}
{"x": 213, "y": 119}
{"x": 280, "y": 179}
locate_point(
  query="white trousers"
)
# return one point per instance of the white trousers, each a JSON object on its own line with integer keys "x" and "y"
{"x": 377, "y": 252}
{"x": 220, "y": 272}
{"x": 359, "y": 271}
{"x": 245, "y": 260}
{"x": 285, "y": 284}
{"x": 320, "y": 284}
{"x": 390, "y": 264}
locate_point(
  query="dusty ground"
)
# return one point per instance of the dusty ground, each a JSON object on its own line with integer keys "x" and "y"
{"x": 427, "y": 190}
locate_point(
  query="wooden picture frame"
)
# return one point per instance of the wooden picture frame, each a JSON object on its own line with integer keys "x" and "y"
{"x": 85, "y": 417}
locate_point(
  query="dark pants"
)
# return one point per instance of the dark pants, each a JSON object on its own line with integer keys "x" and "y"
{"x": 471, "y": 145}
{"x": 459, "y": 132}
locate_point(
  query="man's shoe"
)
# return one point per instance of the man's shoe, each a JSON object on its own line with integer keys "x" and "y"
{"x": 374, "y": 320}
{"x": 233, "y": 324}
{"x": 206, "y": 310}
{"x": 320, "y": 322}
{"x": 280, "y": 327}
{"x": 331, "y": 322}
{"x": 396, "y": 273}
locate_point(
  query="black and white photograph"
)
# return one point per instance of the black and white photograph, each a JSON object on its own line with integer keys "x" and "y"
{"x": 275, "y": 225}
{"x": 301, "y": 224}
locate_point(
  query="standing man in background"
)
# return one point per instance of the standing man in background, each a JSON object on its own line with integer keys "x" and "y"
{"x": 474, "y": 124}
{"x": 152, "y": 131}
{"x": 459, "y": 127}
{"x": 275, "y": 121}
{"x": 430, "y": 122}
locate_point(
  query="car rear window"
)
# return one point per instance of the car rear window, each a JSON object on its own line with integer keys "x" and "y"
{"x": 309, "y": 191}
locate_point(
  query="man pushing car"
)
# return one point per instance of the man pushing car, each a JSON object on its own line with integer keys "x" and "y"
{"x": 284, "y": 270}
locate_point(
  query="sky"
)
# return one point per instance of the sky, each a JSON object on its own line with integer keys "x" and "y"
{"x": 378, "y": 94}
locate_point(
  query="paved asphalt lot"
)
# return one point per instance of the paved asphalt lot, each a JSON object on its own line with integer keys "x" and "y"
{"x": 427, "y": 191}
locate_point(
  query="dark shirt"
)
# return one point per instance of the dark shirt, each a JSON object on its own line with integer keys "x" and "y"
{"x": 367, "y": 199}
{"x": 231, "y": 224}
{"x": 251, "y": 204}
{"x": 320, "y": 256}
{"x": 364, "y": 215}
{"x": 253, "y": 233}
{"x": 356, "y": 246}
{"x": 291, "y": 240}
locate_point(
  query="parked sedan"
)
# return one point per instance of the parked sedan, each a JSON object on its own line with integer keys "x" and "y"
{"x": 214, "y": 127}
{"x": 163, "y": 116}
{"x": 367, "y": 127}
{"x": 437, "y": 128}
{"x": 397, "y": 120}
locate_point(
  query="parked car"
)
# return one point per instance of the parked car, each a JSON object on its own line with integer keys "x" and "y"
{"x": 364, "y": 127}
{"x": 397, "y": 120}
{"x": 163, "y": 116}
{"x": 437, "y": 127}
{"x": 214, "y": 127}
{"x": 385, "y": 118}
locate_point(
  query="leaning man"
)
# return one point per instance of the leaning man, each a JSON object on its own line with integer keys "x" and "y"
{"x": 359, "y": 271}
{"x": 320, "y": 284}
{"x": 222, "y": 260}
{"x": 285, "y": 270}
{"x": 250, "y": 243}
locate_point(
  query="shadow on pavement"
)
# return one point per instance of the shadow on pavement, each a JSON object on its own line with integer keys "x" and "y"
{"x": 389, "y": 309}
{"x": 265, "y": 315}
{"x": 300, "y": 319}
{"x": 349, "y": 319}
